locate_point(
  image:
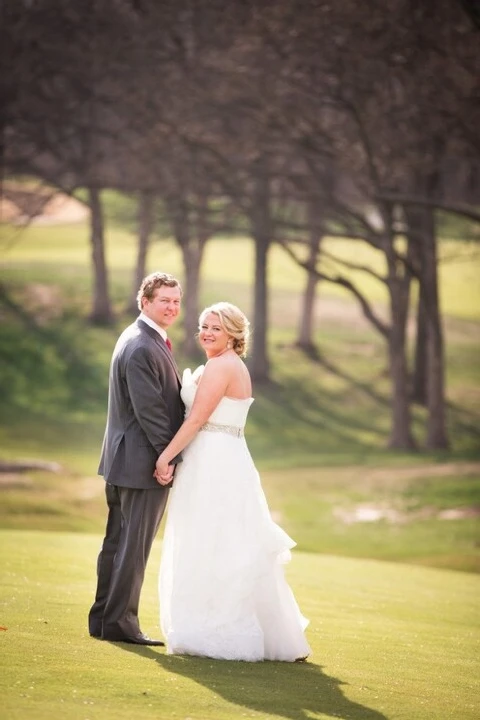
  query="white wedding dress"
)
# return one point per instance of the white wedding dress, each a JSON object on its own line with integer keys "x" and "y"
{"x": 223, "y": 593}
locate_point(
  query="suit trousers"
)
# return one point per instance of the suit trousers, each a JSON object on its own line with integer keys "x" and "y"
{"x": 134, "y": 516}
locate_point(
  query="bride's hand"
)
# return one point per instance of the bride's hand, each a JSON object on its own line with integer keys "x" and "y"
{"x": 163, "y": 472}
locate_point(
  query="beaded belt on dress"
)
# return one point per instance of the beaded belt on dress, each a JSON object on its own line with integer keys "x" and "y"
{"x": 229, "y": 429}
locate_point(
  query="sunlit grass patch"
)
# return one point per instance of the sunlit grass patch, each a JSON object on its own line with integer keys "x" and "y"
{"x": 389, "y": 641}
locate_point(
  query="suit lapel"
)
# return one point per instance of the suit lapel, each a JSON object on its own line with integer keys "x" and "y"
{"x": 160, "y": 342}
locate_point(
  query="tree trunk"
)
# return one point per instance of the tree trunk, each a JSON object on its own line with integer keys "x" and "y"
{"x": 145, "y": 225}
{"x": 262, "y": 235}
{"x": 192, "y": 260}
{"x": 399, "y": 286}
{"x": 400, "y": 433}
{"x": 101, "y": 313}
{"x": 305, "y": 334}
{"x": 436, "y": 425}
{"x": 191, "y": 241}
{"x": 415, "y": 223}
{"x": 428, "y": 379}
{"x": 419, "y": 375}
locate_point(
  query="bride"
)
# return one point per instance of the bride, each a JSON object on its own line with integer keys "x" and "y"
{"x": 223, "y": 593}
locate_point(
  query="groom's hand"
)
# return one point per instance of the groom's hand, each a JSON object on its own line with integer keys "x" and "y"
{"x": 163, "y": 472}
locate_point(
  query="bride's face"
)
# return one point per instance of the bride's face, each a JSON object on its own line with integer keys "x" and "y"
{"x": 212, "y": 336}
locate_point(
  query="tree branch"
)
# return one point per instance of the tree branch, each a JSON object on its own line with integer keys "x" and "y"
{"x": 463, "y": 210}
{"x": 367, "y": 309}
{"x": 354, "y": 266}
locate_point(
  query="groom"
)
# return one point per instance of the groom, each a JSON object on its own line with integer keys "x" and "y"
{"x": 144, "y": 413}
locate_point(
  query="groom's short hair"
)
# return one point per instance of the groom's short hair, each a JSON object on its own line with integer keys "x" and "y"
{"x": 152, "y": 282}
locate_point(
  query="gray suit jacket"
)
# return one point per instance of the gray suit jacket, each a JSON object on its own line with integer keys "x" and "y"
{"x": 144, "y": 407}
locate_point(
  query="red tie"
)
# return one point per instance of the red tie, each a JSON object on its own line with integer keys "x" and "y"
{"x": 169, "y": 344}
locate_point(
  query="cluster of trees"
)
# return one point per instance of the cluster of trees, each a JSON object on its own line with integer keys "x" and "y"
{"x": 295, "y": 119}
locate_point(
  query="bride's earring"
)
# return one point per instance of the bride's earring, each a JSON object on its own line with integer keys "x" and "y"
{"x": 229, "y": 345}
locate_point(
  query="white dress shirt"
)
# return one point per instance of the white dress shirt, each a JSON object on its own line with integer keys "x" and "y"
{"x": 153, "y": 325}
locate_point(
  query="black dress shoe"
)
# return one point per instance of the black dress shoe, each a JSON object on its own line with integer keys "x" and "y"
{"x": 139, "y": 639}
{"x": 142, "y": 639}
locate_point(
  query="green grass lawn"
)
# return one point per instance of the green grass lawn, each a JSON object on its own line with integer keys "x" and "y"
{"x": 389, "y": 641}
{"x": 422, "y": 514}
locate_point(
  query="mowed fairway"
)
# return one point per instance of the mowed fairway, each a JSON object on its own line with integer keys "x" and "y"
{"x": 389, "y": 642}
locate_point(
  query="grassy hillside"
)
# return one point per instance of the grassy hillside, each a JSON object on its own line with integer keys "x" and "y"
{"x": 318, "y": 432}
{"x": 335, "y": 410}
{"x": 389, "y": 642}
{"x": 228, "y": 264}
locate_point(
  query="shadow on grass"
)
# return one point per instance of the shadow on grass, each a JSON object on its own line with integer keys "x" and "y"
{"x": 466, "y": 421}
{"x": 289, "y": 690}
{"x": 364, "y": 387}
{"x": 326, "y": 417}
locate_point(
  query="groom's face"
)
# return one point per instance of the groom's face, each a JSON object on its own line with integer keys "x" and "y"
{"x": 164, "y": 307}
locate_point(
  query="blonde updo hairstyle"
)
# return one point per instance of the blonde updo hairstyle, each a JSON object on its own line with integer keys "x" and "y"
{"x": 234, "y": 322}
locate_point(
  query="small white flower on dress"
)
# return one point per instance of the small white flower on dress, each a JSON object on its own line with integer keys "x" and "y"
{"x": 189, "y": 378}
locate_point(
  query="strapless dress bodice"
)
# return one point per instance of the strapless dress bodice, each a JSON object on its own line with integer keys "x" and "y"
{"x": 229, "y": 411}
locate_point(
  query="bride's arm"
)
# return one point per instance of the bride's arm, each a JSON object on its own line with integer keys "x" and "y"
{"x": 211, "y": 389}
